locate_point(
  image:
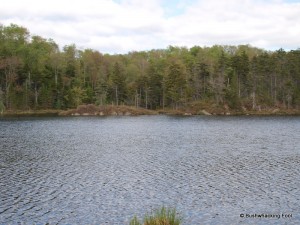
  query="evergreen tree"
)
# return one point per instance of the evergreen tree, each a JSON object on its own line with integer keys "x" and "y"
{"x": 34, "y": 73}
{"x": 176, "y": 83}
{"x": 118, "y": 84}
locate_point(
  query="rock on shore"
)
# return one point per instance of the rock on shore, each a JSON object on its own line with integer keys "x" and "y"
{"x": 108, "y": 110}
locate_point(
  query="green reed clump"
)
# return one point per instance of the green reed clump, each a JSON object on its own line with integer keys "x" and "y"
{"x": 135, "y": 221}
{"x": 163, "y": 216}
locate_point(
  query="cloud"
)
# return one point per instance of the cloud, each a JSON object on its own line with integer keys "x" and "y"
{"x": 267, "y": 24}
{"x": 126, "y": 25}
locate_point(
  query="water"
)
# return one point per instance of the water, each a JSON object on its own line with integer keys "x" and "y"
{"x": 106, "y": 170}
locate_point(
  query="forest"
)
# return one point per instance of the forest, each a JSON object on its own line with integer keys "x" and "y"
{"x": 36, "y": 73}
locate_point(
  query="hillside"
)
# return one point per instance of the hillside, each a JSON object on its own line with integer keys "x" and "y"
{"x": 36, "y": 74}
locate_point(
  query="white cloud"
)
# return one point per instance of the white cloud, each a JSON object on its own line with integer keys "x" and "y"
{"x": 268, "y": 24}
{"x": 126, "y": 25}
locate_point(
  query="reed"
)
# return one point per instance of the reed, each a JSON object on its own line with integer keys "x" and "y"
{"x": 162, "y": 216}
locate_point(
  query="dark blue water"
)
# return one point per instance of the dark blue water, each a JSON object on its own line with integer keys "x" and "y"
{"x": 106, "y": 170}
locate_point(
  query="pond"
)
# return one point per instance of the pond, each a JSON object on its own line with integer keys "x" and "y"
{"x": 105, "y": 170}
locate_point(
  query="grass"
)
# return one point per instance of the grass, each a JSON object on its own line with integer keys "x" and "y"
{"x": 162, "y": 216}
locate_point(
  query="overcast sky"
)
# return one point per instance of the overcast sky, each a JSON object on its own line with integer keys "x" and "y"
{"x": 119, "y": 26}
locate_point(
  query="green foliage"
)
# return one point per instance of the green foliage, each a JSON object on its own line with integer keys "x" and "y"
{"x": 163, "y": 216}
{"x": 2, "y": 107}
{"x": 77, "y": 96}
{"x": 35, "y": 73}
{"x": 155, "y": 86}
{"x": 135, "y": 221}
{"x": 231, "y": 93}
{"x": 175, "y": 82}
{"x": 119, "y": 89}
{"x": 46, "y": 98}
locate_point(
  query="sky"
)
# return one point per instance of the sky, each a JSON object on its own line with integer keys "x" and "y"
{"x": 121, "y": 26}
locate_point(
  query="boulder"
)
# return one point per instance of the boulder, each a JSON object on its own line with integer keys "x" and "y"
{"x": 205, "y": 112}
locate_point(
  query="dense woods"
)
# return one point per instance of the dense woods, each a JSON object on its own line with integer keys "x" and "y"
{"x": 35, "y": 73}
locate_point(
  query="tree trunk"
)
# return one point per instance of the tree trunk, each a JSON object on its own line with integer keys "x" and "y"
{"x": 55, "y": 74}
{"x": 253, "y": 100}
{"x": 239, "y": 86}
{"x": 275, "y": 89}
{"x": 6, "y": 91}
{"x": 35, "y": 95}
{"x": 163, "y": 99}
{"x": 146, "y": 92}
{"x": 117, "y": 97}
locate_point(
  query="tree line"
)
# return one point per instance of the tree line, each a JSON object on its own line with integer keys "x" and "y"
{"x": 36, "y": 74}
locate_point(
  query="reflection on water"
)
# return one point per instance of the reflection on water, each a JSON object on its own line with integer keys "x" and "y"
{"x": 105, "y": 170}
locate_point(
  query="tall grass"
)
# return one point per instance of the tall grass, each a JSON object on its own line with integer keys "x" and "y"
{"x": 163, "y": 216}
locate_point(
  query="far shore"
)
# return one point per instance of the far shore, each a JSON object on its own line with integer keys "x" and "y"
{"x": 110, "y": 110}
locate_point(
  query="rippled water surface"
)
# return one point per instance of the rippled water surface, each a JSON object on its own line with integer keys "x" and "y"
{"x": 105, "y": 170}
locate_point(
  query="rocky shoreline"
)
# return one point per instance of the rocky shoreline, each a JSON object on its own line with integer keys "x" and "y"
{"x": 110, "y": 110}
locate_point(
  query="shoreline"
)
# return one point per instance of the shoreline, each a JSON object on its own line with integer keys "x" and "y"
{"x": 108, "y": 110}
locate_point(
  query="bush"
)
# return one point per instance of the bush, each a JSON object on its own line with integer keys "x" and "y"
{"x": 161, "y": 216}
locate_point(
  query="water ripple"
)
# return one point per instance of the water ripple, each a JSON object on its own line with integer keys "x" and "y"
{"x": 105, "y": 170}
